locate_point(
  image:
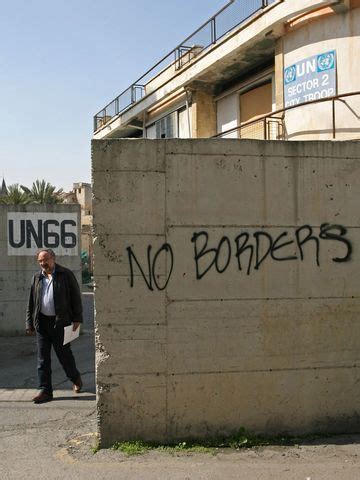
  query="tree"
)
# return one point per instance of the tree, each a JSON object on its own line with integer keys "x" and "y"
{"x": 43, "y": 192}
{"x": 15, "y": 196}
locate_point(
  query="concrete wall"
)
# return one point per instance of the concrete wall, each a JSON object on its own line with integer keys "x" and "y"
{"x": 258, "y": 327}
{"x": 339, "y": 32}
{"x": 17, "y": 265}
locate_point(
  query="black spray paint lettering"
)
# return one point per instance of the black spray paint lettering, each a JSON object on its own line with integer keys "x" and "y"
{"x": 255, "y": 247}
{"x": 273, "y": 246}
{"x": 262, "y": 239}
{"x": 48, "y": 234}
{"x": 301, "y": 241}
{"x": 214, "y": 252}
{"x": 326, "y": 234}
{"x": 264, "y": 246}
{"x": 150, "y": 277}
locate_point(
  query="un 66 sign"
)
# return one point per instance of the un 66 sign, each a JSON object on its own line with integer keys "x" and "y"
{"x": 27, "y": 232}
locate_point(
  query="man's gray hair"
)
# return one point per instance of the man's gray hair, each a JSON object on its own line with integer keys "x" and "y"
{"x": 47, "y": 250}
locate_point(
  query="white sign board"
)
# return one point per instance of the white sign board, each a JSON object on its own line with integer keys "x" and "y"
{"x": 27, "y": 232}
{"x": 310, "y": 79}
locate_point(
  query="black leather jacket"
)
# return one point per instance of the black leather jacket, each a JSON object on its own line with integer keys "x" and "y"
{"x": 67, "y": 299}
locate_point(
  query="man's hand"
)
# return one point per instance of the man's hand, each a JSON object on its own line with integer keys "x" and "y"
{"x": 75, "y": 326}
{"x": 30, "y": 331}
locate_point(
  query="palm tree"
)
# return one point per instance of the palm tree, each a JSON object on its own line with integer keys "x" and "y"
{"x": 15, "y": 196}
{"x": 43, "y": 192}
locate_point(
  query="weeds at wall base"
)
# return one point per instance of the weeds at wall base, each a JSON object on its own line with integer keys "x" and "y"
{"x": 242, "y": 439}
{"x": 96, "y": 447}
{"x": 138, "y": 448}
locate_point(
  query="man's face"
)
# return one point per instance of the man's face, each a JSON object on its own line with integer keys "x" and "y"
{"x": 46, "y": 262}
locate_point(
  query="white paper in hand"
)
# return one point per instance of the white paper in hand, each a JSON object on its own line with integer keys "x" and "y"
{"x": 69, "y": 334}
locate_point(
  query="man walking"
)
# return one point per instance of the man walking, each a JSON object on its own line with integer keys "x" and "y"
{"x": 54, "y": 302}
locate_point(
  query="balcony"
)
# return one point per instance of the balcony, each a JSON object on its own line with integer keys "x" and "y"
{"x": 337, "y": 118}
{"x": 233, "y": 15}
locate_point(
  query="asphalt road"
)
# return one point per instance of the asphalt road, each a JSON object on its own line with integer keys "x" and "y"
{"x": 54, "y": 440}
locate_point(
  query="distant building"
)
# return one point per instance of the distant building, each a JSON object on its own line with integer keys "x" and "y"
{"x": 267, "y": 69}
{"x": 81, "y": 193}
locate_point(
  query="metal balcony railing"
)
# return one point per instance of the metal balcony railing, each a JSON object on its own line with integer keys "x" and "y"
{"x": 233, "y": 14}
{"x": 272, "y": 125}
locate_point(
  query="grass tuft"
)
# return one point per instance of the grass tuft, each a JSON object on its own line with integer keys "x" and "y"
{"x": 96, "y": 447}
{"x": 242, "y": 439}
{"x": 131, "y": 448}
{"x": 184, "y": 447}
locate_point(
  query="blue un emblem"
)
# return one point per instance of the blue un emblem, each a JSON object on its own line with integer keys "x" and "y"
{"x": 326, "y": 61}
{"x": 290, "y": 74}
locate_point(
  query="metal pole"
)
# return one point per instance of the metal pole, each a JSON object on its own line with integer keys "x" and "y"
{"x": 177, "y": 56}
{"x": 213, "y": 30}
{"x": 333, "y": 118}
{"x": 265, "y": 129}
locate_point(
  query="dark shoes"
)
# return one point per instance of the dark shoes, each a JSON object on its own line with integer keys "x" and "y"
{"x": 77, "y": 385}
{"x": 43, "y": 397}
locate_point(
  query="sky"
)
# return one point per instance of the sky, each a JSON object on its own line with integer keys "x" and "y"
{"x": 61, "y": 62}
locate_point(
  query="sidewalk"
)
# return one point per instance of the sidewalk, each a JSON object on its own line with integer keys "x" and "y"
{"x": 53, "y": 441}
{"x": 31, "y": 436}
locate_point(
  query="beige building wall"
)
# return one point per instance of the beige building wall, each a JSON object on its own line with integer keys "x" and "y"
{"x": 227, "y": 290}
{"x": 340, "y": 32}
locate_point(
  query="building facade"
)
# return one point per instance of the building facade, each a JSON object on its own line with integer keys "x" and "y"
{"x": 265, "y": 69}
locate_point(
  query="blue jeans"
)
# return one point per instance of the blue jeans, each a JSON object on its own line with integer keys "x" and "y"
{"x": 50, "y": 335}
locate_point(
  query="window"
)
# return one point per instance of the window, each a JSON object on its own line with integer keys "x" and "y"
{"x": 251, "y": 98}
{"x": 255, "y": 103}
{"x": 166, "y": 127}
{"x": 174, "y": 125}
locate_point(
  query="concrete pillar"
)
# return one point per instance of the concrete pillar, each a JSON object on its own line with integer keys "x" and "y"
{"x": 203, "y": 114}
{"x": 279, "y": 74}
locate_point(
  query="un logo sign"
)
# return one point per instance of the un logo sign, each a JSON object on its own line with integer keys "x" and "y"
{"x": 290, "y": 74}
{"x": 325, "y": 61}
